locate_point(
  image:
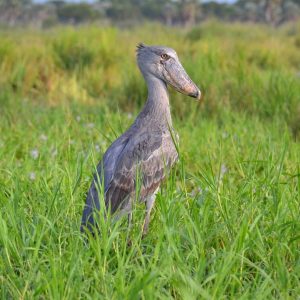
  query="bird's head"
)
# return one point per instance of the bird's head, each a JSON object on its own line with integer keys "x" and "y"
{"x": 163, "y": 63}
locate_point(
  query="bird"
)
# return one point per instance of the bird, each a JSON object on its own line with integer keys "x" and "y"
{"x": 148, "y": 147}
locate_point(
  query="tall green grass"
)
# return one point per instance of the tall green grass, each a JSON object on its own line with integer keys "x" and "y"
{"x": 226, "y": 222}
{"x": 251, "y": 68}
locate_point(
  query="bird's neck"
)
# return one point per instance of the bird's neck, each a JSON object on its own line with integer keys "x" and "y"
{"x": 157, "y": 106}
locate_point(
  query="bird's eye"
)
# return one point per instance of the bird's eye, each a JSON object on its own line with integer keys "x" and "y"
{"x": 165, "y": 56}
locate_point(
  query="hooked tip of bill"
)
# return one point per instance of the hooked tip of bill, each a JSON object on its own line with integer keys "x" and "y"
{"x": 199, "y": 95}
{"x": 196, "y": 94}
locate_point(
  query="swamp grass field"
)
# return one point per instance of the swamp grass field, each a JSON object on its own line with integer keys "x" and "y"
{"x": 226, "y": 224}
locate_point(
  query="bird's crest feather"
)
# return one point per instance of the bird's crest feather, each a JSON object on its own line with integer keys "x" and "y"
{"x": 140, "y": 47}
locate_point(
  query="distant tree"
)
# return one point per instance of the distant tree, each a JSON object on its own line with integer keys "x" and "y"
{"x": 162, "y": 10}
{"x": 167, "y": 11}
{"x": 250, "y": 12}
{"x": 12, "y": 10}
{"x": 124, "y": 10}
{"x": 153, "y": 9}
{"x": 272, "y": 9}
{"x": 170, "y": 11}
{"x": 76, "y": 13}
{"x": 57, "y": 3}
{"x": 189, "y": 10}
{"x": 186, "y": 12}
{"x": 221, "y": 11}
{"x": 269, "y": 11}
{"x": 290, "y": 11}
{"x": 14, "y": 3}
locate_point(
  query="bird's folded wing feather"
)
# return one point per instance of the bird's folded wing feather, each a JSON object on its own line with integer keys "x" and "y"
{"x": 145, "y": 154}
{"x": 102, "y": 178}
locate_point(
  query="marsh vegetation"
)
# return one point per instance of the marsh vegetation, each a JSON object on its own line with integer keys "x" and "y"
{"x": 226, "y": 222}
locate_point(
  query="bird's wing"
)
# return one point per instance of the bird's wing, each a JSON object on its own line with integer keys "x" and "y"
{"x": 147, "y": 154}
{"x": 101, "y": 180}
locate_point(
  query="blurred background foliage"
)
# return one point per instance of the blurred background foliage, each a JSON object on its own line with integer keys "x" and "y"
{"x": 226, "y": 223}
{"x": 246, "y": 68}
{"x": 43, "y": 13}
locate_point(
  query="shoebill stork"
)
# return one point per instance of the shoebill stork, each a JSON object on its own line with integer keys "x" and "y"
{"x": 147, "y": 147}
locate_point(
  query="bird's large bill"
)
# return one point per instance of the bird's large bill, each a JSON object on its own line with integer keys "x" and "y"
{"x": 177, "y": 77}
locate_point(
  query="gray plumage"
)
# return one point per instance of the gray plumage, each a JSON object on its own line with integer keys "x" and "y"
{"x": 147, "y": 147}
